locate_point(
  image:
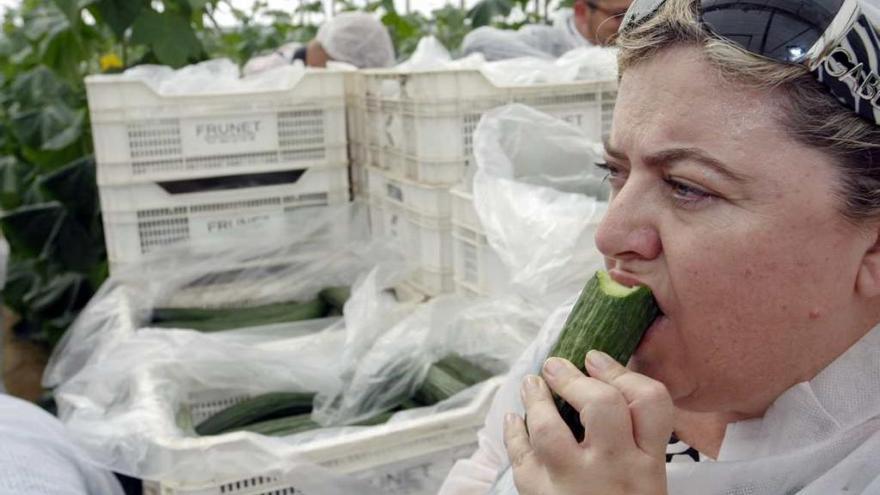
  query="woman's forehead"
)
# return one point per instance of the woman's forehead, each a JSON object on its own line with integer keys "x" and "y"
{"x": 678, "y": 97}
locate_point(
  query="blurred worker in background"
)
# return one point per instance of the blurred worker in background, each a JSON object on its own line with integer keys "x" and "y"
{"x": 38, "y": 456}
{"x": 355, "y": 38}
{"x": 589, "y": 23}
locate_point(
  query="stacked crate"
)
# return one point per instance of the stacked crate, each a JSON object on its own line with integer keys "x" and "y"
{"x": 419, "y": 128}
{"x": 355, "y": 113}
{"x": 195, "y": 169}
{"x": 478, "y": 269}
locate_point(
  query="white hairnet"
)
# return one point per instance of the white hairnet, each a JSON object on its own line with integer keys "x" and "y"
{"x": 357, "y": 38}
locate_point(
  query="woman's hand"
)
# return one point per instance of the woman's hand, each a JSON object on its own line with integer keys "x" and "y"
{"x": 628, "y": 419}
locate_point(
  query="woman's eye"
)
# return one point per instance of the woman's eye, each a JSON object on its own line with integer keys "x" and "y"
{"x": 687, "y": 194}
{"x": 612, "y": 174}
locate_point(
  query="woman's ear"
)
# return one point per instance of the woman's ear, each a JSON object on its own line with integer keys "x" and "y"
{"x": 868, "y": 279}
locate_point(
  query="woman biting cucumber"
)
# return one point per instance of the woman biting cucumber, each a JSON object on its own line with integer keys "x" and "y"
{"x": 744, "y": 161}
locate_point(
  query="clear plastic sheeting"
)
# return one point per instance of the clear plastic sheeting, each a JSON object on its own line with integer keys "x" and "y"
{"x": 588, "y": 63}
{"x": 429, "y": 54}
{"x": 330, "y": 247}
{"x": 214, "y": 76}
{"x": 131, "y": 411}
{"x": 489, "y": 332}
{"x": 539, "y": 198}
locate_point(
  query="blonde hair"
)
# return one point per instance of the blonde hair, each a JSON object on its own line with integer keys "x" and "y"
{"x": 810, "y": 113}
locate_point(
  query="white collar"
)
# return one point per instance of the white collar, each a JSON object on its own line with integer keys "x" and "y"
{"x": 844, "y": 395}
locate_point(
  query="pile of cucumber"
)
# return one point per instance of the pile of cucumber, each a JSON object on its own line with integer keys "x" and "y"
{"x": 286, "y": 413}
{"x": 328, "y": 303}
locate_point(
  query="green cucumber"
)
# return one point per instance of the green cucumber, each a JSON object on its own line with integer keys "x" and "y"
{"x": 608, "y": 317}
{"x": 438, "y": 385}
{"x": 255, "y": 409}
{"x": 302, "y": 422}
{"x": 463, "y": 370}
{"x": 335, "y": 297}
{"x": 212, "y": 320}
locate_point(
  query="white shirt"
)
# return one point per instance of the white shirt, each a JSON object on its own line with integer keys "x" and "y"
{"x": 820, "y": 437}
{"x": 37, "y": 456}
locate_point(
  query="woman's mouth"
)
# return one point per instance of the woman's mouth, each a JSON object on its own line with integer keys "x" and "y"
{"x": 661, "y": 322}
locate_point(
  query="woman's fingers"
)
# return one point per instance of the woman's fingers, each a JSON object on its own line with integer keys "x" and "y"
{"x": 547, "y": 432}
{"x": 603, "y": 410}
{"x": 650, "y": 405}
{"x": 516, "y": 439}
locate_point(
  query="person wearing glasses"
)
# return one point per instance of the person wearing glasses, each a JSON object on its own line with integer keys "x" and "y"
{"x": 588, "y": 23}
{"x": 744, "y": 162}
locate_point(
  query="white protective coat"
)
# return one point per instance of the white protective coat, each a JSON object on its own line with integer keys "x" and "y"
{"x": 38, "y": 457}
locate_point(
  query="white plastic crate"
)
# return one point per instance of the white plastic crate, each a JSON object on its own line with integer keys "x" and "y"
{"x": 140, "y": 135}
{"x": 424, "y": 199}
{"x": 422, "y": 123}
{"x": 433, "y": 282}
{"x": 377, "y": 217}
{"x": 463, "y": 211}
{"x": 392, "y": 457}
{"x": 426, "y": 241}
{"x": 139, "y": 218}
{"x": 478, "y": 269}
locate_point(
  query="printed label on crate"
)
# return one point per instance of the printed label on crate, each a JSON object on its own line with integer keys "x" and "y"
{"x": 267, "y": 223}
{"x": 232, "y": 135}
{"x": 582, "y": 118}
{"x": 394, "y": 192}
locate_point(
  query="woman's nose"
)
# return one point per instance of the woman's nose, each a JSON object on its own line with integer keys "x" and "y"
{"x": 629, "y": 230}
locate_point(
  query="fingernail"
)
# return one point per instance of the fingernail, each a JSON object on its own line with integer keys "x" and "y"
{"x": 599, "y": 360}
{"x": 554, "y": 366}
{"x": 509, "y": 419}
{"x": 530, "y": 385}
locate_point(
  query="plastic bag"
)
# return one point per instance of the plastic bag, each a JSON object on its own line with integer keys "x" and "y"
{"x": 490, "y": 333}
{"x": 130, "y": 410}
{"x": 539, "y": 199}
{"x": 215, "y": 76}
{"x": 327, "y": 247}
{"x": 429, "y": 54}
{"x": 589, "y": 63}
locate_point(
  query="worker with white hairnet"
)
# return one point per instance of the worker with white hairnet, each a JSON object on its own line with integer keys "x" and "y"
{"x": 588, "y": 23}
{"x": 355, "y": 38}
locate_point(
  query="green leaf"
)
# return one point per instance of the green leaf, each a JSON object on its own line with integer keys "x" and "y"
{"x": 169, "y": 36}
{"x": 38, "y": 86}
{"x": 197, "y": 5}
{"x": 21, "y": 277}
{"x": 47, "y": 231}
{"x": 44, "y": 22}
{"x": 51, "y": 128}
{"x": 72, "y": 8}
{"x": 485, "y": 11}
{"x": 31, "y": 229}
{"x": 119, "y": 14}
{"x": 74, "y": 186}
{"x": 59, "y": 296}
{"x": 15, "y": 178}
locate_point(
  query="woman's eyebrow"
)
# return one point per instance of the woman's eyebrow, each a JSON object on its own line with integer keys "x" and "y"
{"x": 613, "y": 152}
{"x": 669, "y": 157}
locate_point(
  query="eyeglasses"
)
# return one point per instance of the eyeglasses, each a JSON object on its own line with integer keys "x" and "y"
{"x": 610, "y": 13}
{"x": 832, "y": 38}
